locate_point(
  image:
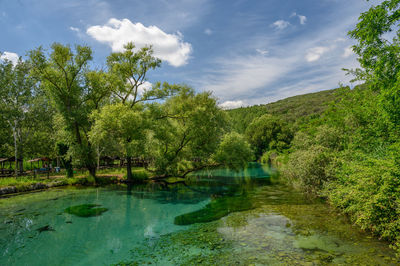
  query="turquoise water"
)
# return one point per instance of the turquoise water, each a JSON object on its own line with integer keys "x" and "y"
{"x": 275, "y": 225}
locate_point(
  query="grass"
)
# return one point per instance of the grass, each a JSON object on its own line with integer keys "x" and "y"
{"x": 104, "y": 176}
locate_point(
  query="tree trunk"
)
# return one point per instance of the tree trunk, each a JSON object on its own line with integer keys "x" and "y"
{"x": 15, "y": 148}
{"x": 92, "y": 170}
{"x": 129, "y": 168}
{"x": 98, "y": 159}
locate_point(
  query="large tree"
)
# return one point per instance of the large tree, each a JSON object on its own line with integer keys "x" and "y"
{"x": 186, "y": 132}
{"x": 128, "y": 74}
{"x": 75, "y": 92}
{"x": 378, "y": 47}
{"x": 17, "y": 92}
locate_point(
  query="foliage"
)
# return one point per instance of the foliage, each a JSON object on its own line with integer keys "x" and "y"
{"x": 378, "y": 49}
{"x": 62, "y": 76}
{"x": 291, "y": 110}
{"x": 25, "y": 114}
{"x": 233, "y": 151}
{"x": 268, "y": 133}
{"x": 186, "y": 132}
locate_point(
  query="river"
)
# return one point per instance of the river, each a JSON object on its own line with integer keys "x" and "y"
{"x": 224, "y": 217}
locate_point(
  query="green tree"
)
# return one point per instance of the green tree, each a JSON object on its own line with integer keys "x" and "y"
{"x": 74, "y": 91}
{"x": 128, "y": 73}
{"x": 268, "y": 133}
{"x": 186, "y": 131}
{"x": 124, "y": 125}
{"x": 16, "y": 94}
{"x": 233, "y": 151}
{"x": 378, "y": 48}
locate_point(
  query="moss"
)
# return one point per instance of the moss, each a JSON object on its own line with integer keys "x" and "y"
{"x": 85, "y": 210}
{"x": 215, "y": 210}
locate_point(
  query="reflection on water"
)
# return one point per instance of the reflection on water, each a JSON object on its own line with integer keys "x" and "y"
{"x": 230, "y": 217}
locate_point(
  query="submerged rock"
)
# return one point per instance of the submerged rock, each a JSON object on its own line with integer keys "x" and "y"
{"x": 45, "y": 228}
{"x": 85, "y": 210}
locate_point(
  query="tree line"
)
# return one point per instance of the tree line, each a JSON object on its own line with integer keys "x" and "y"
{"x": 56, "y": 104}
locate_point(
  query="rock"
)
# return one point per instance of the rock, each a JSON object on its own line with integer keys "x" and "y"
{"x": 45, "y": 228}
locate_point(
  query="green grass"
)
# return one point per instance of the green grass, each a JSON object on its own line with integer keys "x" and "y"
{"x": 104, "y": 176}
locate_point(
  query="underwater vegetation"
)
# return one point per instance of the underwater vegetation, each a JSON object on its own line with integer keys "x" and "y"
{"x": 85, "y": 210}
{"x": 215, "y": 210}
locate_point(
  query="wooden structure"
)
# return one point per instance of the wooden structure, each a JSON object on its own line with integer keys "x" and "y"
{"x": 43, "y": 165}
{"x": 4, "y": 171}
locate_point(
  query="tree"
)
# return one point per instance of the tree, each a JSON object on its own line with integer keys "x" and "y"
{"x": 186, "y": 132}
{"x": 268, "y": 132}
{"x": 124, "y": 125}
{"x": 378, "y": 49}
{"x": 74, "y": 91}
{"x": 16, "y": 91}
{"x": 233, "y": 151}
{"x": 128, "y": 73}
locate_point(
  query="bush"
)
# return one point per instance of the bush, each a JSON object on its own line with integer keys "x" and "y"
{"x": 309, "y": 169}
{"x": 369, "y": 191}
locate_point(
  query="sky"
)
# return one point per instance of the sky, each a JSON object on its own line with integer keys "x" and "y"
{"x": 246, "y": 52}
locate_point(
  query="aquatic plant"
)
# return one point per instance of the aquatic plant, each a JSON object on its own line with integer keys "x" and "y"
{"x": 215, "y": 210}
{"x": 85, "y": 210}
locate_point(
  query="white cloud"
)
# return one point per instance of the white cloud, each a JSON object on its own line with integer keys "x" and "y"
{"x": 13, "y": 57}
{"x": 232, "y": 104}
{"x": 167, "y": 47}
{"x": 208, "y": 31}
{"x": 241, "y": 76}
{"x": 262, "y": 51}
{"x": 280, "y": 24}
{"x": 144, "y": 87}
{"x": 302, "y": 19}
{"x": 348, "y": 51}
{"x": 75, "y": 29}
{"x": 315, "y": 53}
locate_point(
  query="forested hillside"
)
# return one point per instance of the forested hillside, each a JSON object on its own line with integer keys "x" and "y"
{"x": 291, "y": 109}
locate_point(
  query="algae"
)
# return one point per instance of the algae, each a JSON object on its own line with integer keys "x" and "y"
{"x": 215, "y": 210}
{"x": 85, "y": 210}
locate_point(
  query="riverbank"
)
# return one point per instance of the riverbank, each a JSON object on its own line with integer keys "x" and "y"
{"x": 12, "y": 185}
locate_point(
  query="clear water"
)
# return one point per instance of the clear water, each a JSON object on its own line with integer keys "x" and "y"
{"x": 282, "y": 227}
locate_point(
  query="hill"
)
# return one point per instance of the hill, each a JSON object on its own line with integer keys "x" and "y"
{"x": 290, "y": 109}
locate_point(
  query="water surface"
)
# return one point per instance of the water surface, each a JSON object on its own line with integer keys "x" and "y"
{"x": 252, "y": 219}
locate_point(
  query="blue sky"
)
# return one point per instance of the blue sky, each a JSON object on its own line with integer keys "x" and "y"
{"x": 245, "y": 52}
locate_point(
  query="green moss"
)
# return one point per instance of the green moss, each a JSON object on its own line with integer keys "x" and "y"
{"x": 215, "y": 210}
{"x": 85, "y": 210}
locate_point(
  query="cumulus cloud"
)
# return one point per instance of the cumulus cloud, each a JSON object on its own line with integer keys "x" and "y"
{"x": 208, "y": 31}
{"x": 280, "y": 24}
{"x": 232, "y": 104}
{"x": 315, "y": 53}
{"x": 144, "y": 87}
{"x": 168, "y": 47}
{"x": 348, "y": 51}
{"x": 13, "y": 57}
